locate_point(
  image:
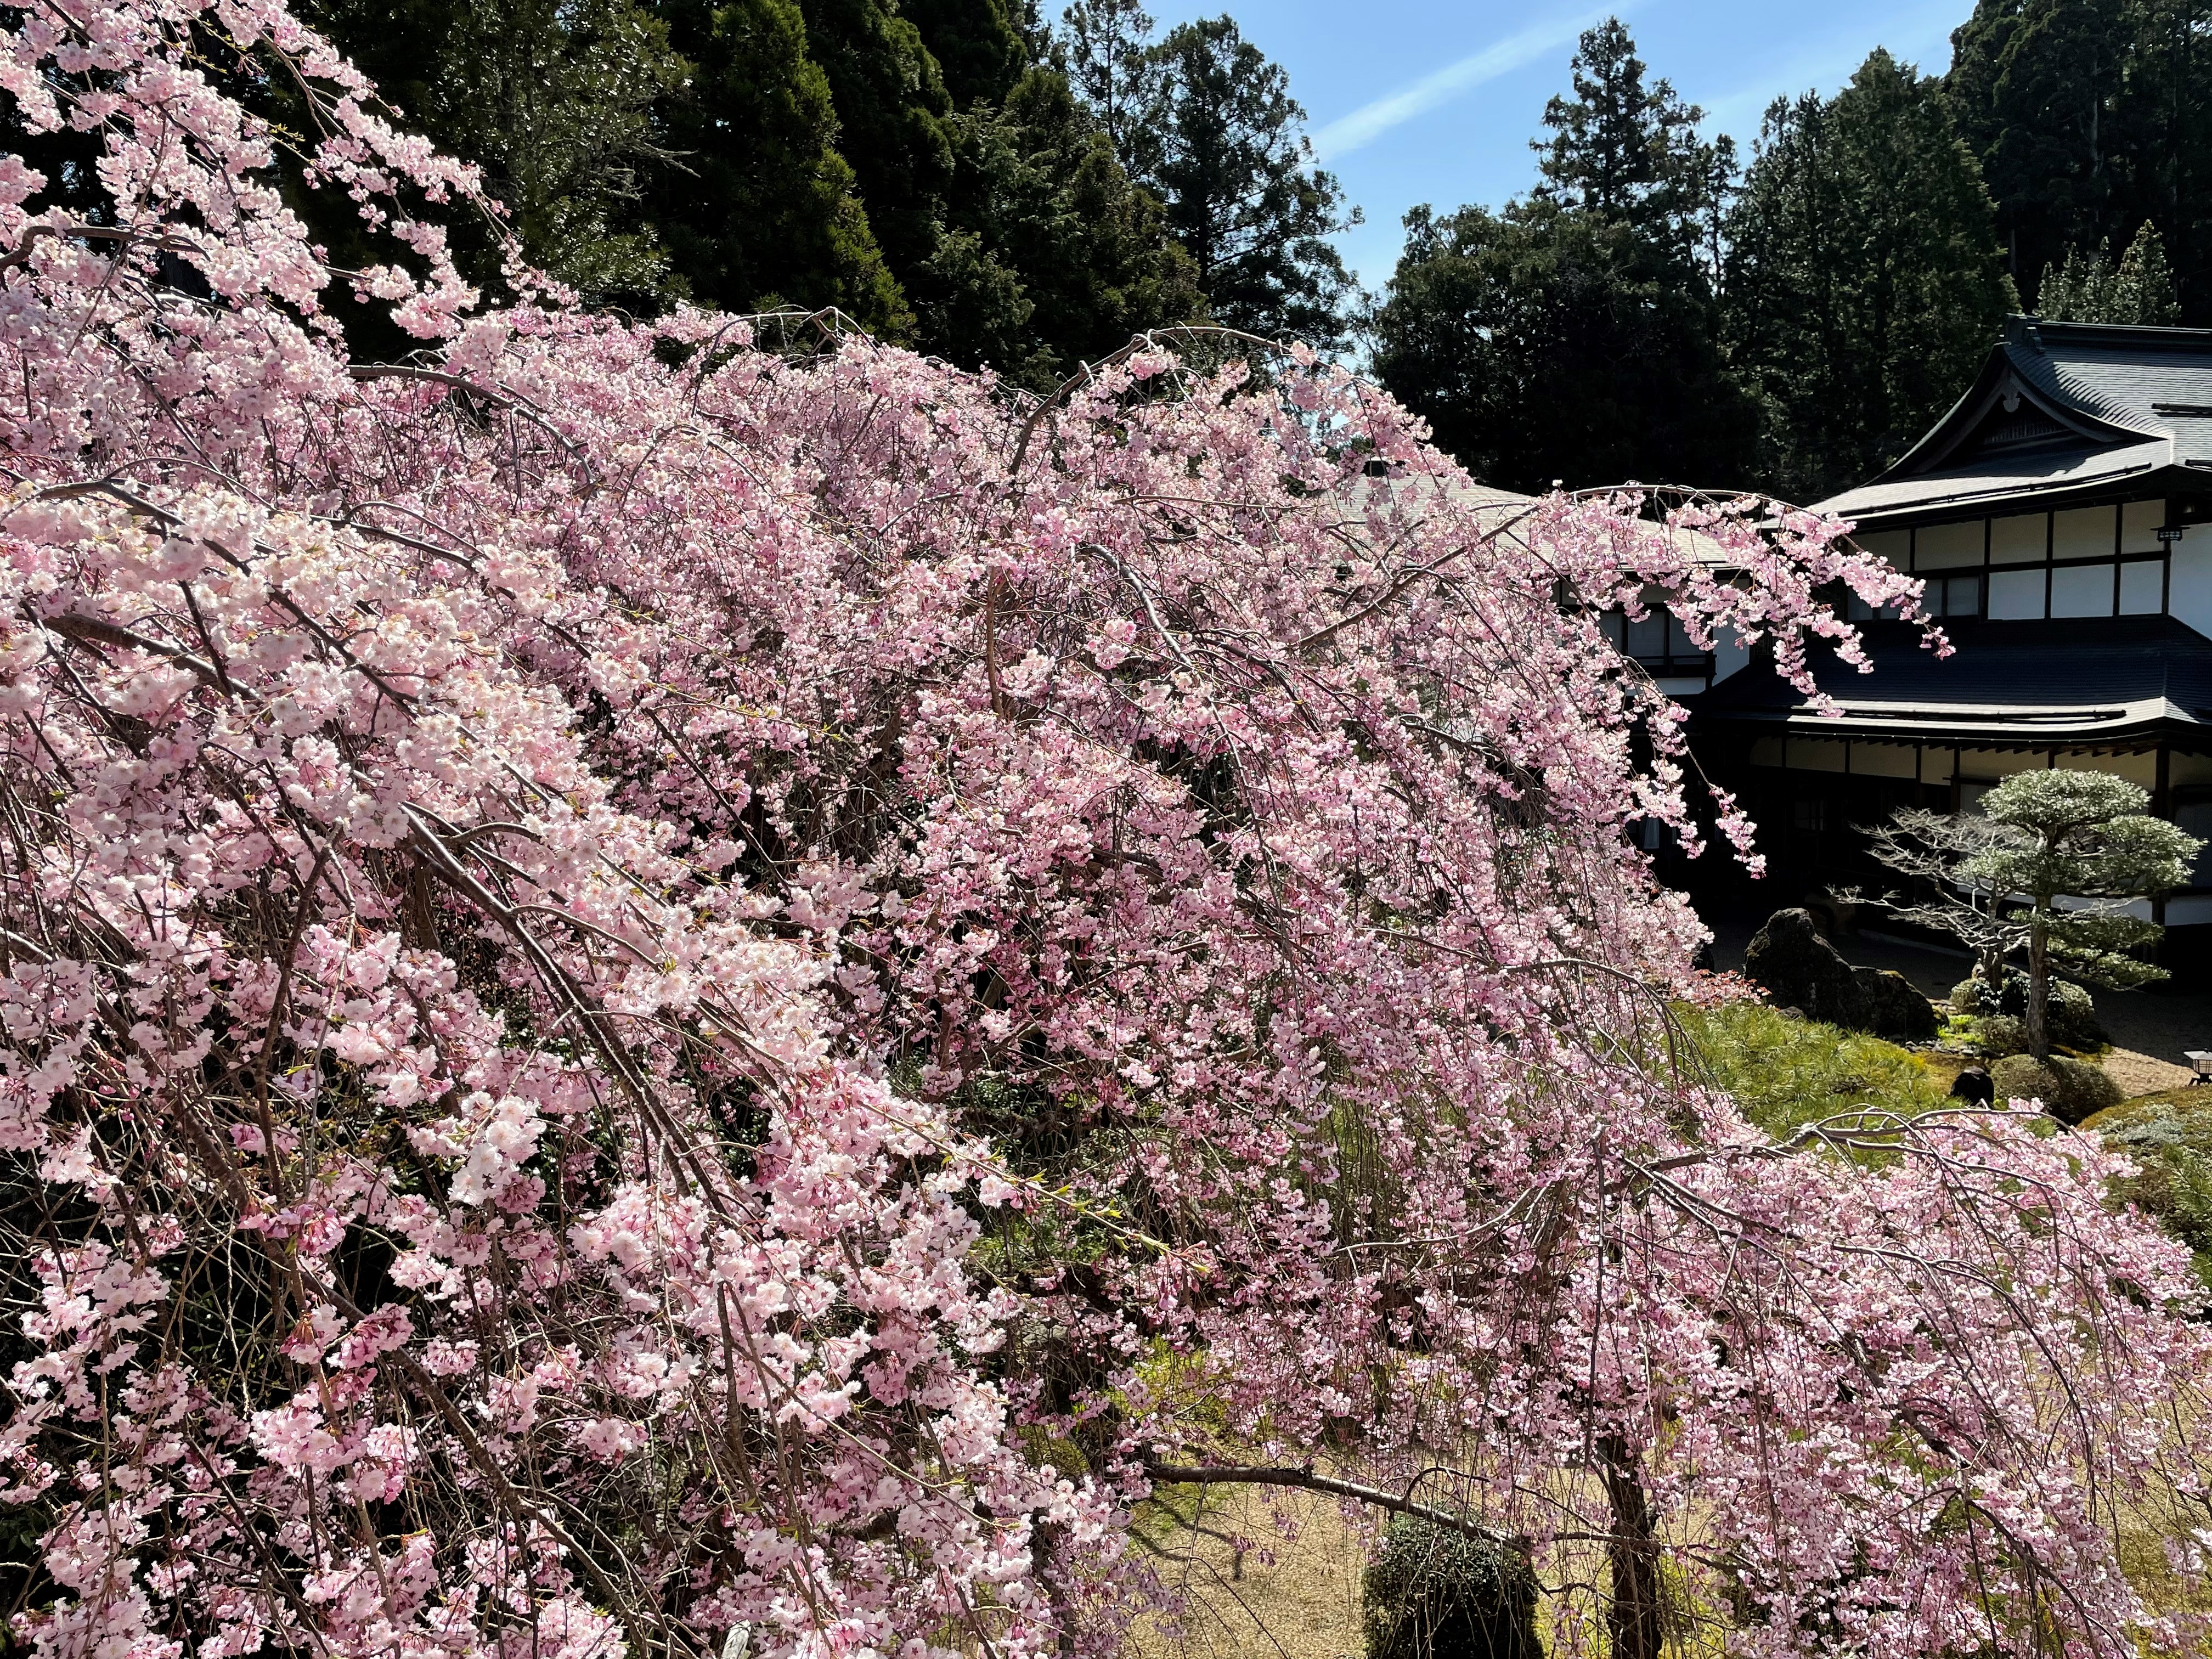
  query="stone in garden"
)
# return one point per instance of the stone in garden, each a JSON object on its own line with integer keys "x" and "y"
{"x": 1790, "y": 961}
{"x": 1973, "y": 1084}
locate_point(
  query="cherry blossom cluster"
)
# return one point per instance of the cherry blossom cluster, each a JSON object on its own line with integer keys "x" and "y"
{"x": 664, "y": 997}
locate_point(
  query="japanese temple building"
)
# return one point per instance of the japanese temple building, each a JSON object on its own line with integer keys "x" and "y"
{"x": 2060, "y": 514}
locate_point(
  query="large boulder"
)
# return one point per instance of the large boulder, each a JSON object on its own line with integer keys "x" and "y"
{"x": 1893, "y": 1009}
{"x": 1795, "y": 966}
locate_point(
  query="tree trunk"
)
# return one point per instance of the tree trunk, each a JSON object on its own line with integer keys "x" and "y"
{"x": 2038, "y": 986}
{"x": 1635, "y": 1625}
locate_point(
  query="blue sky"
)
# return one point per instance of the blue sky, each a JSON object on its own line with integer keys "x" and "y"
{"x": 1434, "y": 101}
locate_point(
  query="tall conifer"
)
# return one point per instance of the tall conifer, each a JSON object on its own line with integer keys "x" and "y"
{"x": 757, "y": 206}
{"x": 1865, "y": 283}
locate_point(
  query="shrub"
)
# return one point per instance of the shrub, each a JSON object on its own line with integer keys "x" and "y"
{"x": 2071, "y": 1089}
{"x": 1436, "y": 1592}
{"x": 2169, "y": 1136}
{"x": 1784, "y": 1074}
{"x": 1997, "y": 1035}
{"x": 2073, "y": 1012}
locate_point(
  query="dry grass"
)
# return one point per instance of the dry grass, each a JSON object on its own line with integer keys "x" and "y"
{"x": 1293, "y": 1596}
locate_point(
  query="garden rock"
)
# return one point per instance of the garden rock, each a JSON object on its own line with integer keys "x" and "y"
{"x": 1790, "y": 961}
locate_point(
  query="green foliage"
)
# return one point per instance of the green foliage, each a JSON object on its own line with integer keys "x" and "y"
{"x": 1576, "y": 336}
{"x": 1630, "y": 152}
{"x": 1994, "y": 1035}
{"x": 2169, "y": 1136}
{"x": 1011, "y": 229}
{"x": 1546, "y": 345}
{"x": 2103, "y": 949}
{"x": 892, "y": 112}
{"x": 1865, "y": 280}
{"x": 554, "y": 99}
{"x": 1108, "y": 45}
{"x": 1206, "y": 122}
{"x": 2087, "y": 289}
{"x": 2086, "y": 835}
{"x": 2083, "y": 837}
{"x": 1785, "y": 1073}
{"x": 1037, "y": 180}
{"x": 1437, "y": 1592}
{"x": 979, "y": 47}
{"x": 2090, "y": 117}
{"x": 759, "y": 208}
{"x": 2071, "y": 1089}
{"x": 2073, "y": 1012}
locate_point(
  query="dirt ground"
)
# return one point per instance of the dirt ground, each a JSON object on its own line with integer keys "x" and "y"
{"x": 1302, "y": 1604}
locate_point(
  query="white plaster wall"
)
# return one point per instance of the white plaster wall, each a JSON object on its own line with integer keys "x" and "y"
{"x": 2189, "y": 592}
{"x": 1730, "y": 653}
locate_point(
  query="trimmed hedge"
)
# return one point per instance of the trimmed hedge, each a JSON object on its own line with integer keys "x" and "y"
{"x": 1436, "y": 1592}
{"x": 2071, "y": 1089}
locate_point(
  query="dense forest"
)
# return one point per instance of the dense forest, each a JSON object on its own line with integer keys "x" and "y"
{"x": 995, "y": 187}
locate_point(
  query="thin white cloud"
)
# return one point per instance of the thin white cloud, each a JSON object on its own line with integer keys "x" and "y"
{"x": 1371, "y": 121}
{"x": 1920, "y": 34}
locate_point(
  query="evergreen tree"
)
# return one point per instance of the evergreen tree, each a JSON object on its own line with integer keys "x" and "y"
{"x": 1576, "y": 335}
{"x": 2087, "y": 288}
{"x": 1208, "y": 123}
{"x": 2088, "y": 118}
{"x": 1865, "y": 284}
{"x": 553, "y": 99}
{"x": 1112, "y": 64}
{"x": 979, "y": 46}
{"x": 893, "y": 113}
{"x": 1037, "y": 180}
{"x": 2142, "y": 289}
{"x": 757, "y": 207}
{"x": 1007, "y": 224}
{"x": 1631, "y": 152}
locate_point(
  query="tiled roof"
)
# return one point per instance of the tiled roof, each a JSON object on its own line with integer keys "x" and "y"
{"x": 2115, "y": 401}
{"x": 2101, "y": 679}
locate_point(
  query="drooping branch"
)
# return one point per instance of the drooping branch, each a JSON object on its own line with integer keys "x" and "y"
{"x": 1303, "y": 1479}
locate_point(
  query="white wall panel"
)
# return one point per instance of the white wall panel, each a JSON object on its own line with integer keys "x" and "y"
{"x": 2016, "y": 595}
{"x": 2082, "y": 590}
{"x": 2189, "y": 596}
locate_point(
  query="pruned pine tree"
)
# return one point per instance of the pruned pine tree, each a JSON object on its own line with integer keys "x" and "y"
{"x": 2084, "y": 838}
{"x": 2049, "y": 866}
{"x": 1936, "y": 853}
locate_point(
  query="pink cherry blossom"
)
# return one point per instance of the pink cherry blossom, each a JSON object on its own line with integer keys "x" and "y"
{"x": 648, "y": 987}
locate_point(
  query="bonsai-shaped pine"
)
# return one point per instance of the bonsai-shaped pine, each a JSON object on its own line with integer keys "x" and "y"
{"x": 1994, "y": 880}
{"x": 2084, "y": 838}
{"x": 1937, "y": 852}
